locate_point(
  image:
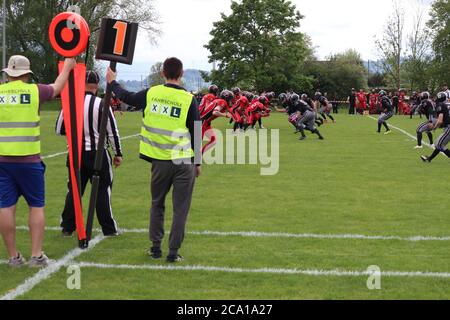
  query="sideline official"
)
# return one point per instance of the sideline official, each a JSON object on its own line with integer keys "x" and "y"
{"x": 92, "y": 120}
{"x": 21, "y": 168}
{"x": 168, "y": 141}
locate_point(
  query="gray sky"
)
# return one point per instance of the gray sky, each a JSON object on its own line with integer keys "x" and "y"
{"x": 333, "y": 25}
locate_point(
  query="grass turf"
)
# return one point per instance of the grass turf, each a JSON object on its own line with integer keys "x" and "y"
{"x": 356, "y": 181}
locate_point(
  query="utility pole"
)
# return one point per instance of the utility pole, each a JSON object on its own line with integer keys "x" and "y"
{"x": 4, "y": 38}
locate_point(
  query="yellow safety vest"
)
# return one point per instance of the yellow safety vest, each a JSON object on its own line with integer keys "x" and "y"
{"x": 164, "y": 135}
{"x": 19, "y": 119}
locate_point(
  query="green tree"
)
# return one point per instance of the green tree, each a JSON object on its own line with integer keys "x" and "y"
{"x": 439, "y": 25}
{"x": 258, "y": 46}
{"x": 28, "y": 22}
{"x": 339, "y": 73}
{"x": 156, "y": 78}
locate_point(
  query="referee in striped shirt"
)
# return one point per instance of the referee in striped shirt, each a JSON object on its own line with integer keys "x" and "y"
{"x": 92, "y": 119}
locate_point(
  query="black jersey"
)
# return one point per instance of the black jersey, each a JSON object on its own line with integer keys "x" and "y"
{"x": 427, "y": 108}
{"x": 443, "y": 108}
{"x": 302, "y": 106}
{"x": 386, "y": 104}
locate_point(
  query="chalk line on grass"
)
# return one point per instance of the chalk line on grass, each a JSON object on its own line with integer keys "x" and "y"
{"x": 65, "y": 152}
{"x": 405, "y": 133}
{"x": 256, "y": 234}
{"x": 45, "y": 273}
{"x": 307, "y": 272}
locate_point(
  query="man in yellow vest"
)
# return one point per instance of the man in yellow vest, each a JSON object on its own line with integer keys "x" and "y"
{"x": 21, "y": 167}
{"x": 169, "y": 141}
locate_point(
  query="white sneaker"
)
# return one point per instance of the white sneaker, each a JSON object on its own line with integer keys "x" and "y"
{"x": 418, "y": 147}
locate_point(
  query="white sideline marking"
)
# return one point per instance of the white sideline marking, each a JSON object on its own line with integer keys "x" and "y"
{"x": 45, "y": 273}
{"x": 66, "y": 152}
{"x": 254, "y": 234}
{"x": 3, "y": 262}
{"x": 405, "y": 132}
{"x": 308, "y": 272}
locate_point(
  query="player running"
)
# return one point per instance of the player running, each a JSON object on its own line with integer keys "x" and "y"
{"x": 218, "y": 108}
{"x": 324, "y": 107}
{"x": 310, "y": 102}
{"x": 388, "y": 112}
{"x": 237, "y": 110}
{"x": 443, "y": 121}
{"x": 254, "y": 111}
{"x": 210, "y": 97}
{"x": 306, "y": 119}
{"x": 426, "y": 107}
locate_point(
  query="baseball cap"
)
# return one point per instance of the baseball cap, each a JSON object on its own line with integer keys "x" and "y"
{"x": 18, "y": 66}
{"x": 92, "y": 77}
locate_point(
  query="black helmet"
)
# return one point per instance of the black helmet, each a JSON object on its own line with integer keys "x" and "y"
{"x": 441, "y": 97}
{"x": 262, "y": 99}
{"x": 226, "y": 95}
{"x": 425, "y": 95}
{"x": 236, "y": 90}
{"x": 282, "y": 97}
{"x": 270, "y": 95}
{"x": 317, "y": 95}
{"x": 213, "y": 89}
{"x": 304, "y": 96}
{"x": 249, "y": 95}
{"x": 295, "y": 97}
{"x": 322, "y": 99}
{"x": 382, "y": 93}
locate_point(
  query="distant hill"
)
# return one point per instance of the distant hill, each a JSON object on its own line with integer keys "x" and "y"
{"x": 192, "y": 81}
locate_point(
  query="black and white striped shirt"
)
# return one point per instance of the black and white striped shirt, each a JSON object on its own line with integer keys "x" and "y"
{"x": 92, "y": 117}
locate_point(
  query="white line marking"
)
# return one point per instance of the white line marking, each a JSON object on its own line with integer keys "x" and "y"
{"x": 66, "y": 152}
{"x": 255, "y": 234}
{"x": 3, "y": 262}
{"x": 405, "y": 132}
{"x": 45, "y": 273}
{"x": 308, "y": 272}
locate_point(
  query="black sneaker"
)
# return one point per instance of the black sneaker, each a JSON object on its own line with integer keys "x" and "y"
{"x": 66, "y": 234}
{"x": 425, "y": 159}
{"x": 173, "y": 259}
{"x": 155, "y": 253}
{"x": 321, "y": 138}
{"x": 302, "y": 138}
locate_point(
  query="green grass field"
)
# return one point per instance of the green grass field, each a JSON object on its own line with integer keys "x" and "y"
{"x": 356, "y": 182}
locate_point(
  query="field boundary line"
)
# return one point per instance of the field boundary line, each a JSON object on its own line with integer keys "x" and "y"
{"x": 255, "y": 234}
{"x": 47, "y": 272}
{"x": 405, "y": 133}
{"x": 307, "y": 272}
{"x": 66, "y": 152}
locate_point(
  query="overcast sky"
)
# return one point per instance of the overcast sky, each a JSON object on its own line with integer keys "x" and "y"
{"x": 333, "y": 25}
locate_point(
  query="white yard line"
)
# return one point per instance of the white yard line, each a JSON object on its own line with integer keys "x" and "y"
{"x": 255, "y": 234}
{"x": 64, "y": 153}
{"x": 45, "y": 273}
{"x": 308, "y": 272}
{"x": 3, "y": 262}
{"x": 405, "y": 133}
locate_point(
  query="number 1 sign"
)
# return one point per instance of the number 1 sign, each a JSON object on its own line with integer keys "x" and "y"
{"x": 117, "y": 41}
{"x": 116, "y": 44}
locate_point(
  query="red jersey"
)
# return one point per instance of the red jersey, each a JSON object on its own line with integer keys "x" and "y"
{"x": 373, "y": 98}
{"x": 219, "y": 105}
{"x": 361, "y": 96}
{"x": 235, "y": 99}
{"x": 207, "y": 99}
{"x": 255, "y": 107}
{"x": 241, "y": 104}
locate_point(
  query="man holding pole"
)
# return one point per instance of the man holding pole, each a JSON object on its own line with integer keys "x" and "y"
{"x": 92, "y": 110}
{"x": 21, "y": 167}
{"x": 168, "y": 141}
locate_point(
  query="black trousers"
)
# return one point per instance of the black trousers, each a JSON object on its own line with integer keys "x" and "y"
{"x": 103, "y": 208}
{"x": 167, "y": 175}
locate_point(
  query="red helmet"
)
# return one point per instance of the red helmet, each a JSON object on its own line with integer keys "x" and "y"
{"x": 263, "y": 99}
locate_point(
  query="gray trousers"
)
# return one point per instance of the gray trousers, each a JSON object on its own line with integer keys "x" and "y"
{"x": 443, "y": 140}
{"x": 165, "y": 175}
